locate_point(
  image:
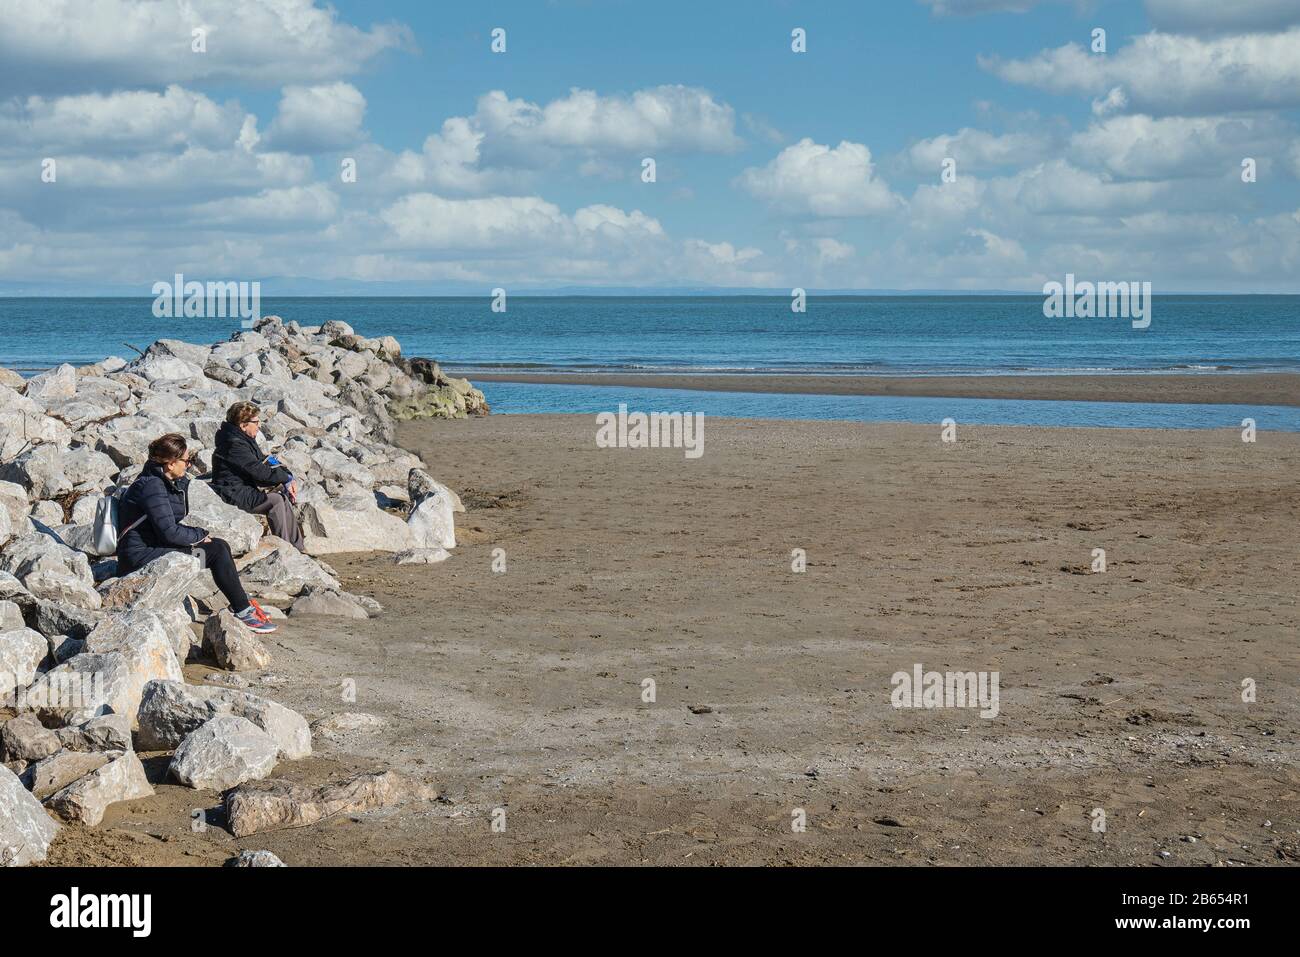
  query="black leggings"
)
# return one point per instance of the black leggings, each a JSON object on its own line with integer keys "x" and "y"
{"x": 218, "y": 560}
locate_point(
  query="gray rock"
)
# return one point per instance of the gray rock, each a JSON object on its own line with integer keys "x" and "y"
{"x": 171, "y": 710}
{"x": 233, "y": 644}
{"x": 64, "y": 649}
{"x": 122, "y": 778}
{"x": 432, "y": 524}
{"x": 161, "y": 585}
{"x": 26, "y": 830}
{"x": 25, "y": 739}
{"x": 266, "y": 805}
{"x": 23, "y": 424}
{"x": 335, "y": 329}
{"x": 83, "y": 510}
{"x": 84, "y": 687}
{"x": 57, "y": 383}
{"x": 87, "y": 468}
{"x": 14, "y": 502}
{"x": 108, "y": 732}
{"x": 255, "y": 859}
{"x": 185, "y": 642}
{"x": 80, "y": 538}
{"x": 56, "y": 618}
{"x": 222, "y": 753}
{"x": 420, "y": 485}
{"x": 47, "y": 513}
{"x": 50, "y": 570}
{"x": 240, "y": 530}
{"x": 318, "y": 601}
{"x": 39, "y": 471}
{"x": 163, "y": 368}
{"x": 340, "y": 726}
{"x": 275, "y": 567}
{"x": 51, "y": 775}
{"x": 142, "y": 638}
{"x": 11, "y": 615}
{"x": 353, "y": 525}
{"x": 21, "y": 653}
{"x": 99, "y": 402}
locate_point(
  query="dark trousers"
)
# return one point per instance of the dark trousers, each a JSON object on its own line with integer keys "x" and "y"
{"x": 217, "y": 559}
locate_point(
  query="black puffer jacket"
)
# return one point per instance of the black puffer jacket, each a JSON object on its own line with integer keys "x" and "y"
{"x": 239, "y": 469}
{"x": 162, "y": 503}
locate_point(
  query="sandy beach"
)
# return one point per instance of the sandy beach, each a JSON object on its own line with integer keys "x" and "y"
{"x": 523, "y": 689}
{"x": 1227, "y": 389}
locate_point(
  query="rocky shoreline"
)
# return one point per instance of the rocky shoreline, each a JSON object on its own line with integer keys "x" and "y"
{"x": 91, "y": 664}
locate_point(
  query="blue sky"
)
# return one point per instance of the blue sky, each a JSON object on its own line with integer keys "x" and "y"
{"x": 774, "y": 168}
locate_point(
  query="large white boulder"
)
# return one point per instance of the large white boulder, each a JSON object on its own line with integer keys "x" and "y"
{"x": 52, "y": 385}
{"x": 51, "y": 570}
{"x": 160, "y": 586}
{"x": 21, "y": 653}
{"x": 26, "y": 830}
{"x": 222, "y": 753}
{"x": 23, "y": 423}
{"x": 207, "y": 511}
{"x": 40, "y": 471}
{"x": 353, "y": 524}
{"x": 142, "y": 638}
{"x": 276, "y": 568}
{"x": 122, "y": 778}
{"x": 170, "y": 710}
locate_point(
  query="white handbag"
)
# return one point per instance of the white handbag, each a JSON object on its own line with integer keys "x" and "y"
{"x": 106, "y": 534}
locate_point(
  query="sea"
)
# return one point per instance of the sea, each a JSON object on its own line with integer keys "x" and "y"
{"x": 748, "y": 335}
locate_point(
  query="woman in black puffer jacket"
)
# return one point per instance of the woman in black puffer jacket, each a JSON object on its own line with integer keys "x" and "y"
{"x": 150, "y": 516}
{"x": 244, "y": 478}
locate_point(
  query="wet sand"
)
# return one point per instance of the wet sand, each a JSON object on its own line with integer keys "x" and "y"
{"x": 1221, "y": 389}
{"x": 523, "y": 689}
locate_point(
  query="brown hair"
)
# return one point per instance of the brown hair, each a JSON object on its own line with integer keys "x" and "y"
{"x": 167, "y": 448}
{"x": 242, "y": 412}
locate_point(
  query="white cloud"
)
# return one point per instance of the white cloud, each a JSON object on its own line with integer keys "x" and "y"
{"x": 721, "y": 253}
{"x": 1217, "y": 16}
{"x": 831, "y": 250}
{"x": 1142, "y": 147}
{"x": 118, "y": 123}
{"x": 65, "y": 45}
{"x": 979, "y": 150}
{"x": 509, "y": 223}
{"x": 497, "y": 222}
{"x": 505, "y": 143}
{"x": 153, "y": 179}
{"x": 1057, "y": 187}
{"x": 811, "y": 179}
{"x": 317, "y": 119}
{"x": 677, "y": 118}
{"x": 279, "y": 208}
{"x": 938, "y": 205}
{"x": 1165, "y": 74}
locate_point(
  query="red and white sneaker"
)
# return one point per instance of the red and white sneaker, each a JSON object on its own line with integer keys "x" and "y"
{"x": 254, "y": 619}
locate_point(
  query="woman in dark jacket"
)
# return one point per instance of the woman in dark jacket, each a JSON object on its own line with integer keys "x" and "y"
{"x": 240, "y": 473}
{"x": 150, "y": 515}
